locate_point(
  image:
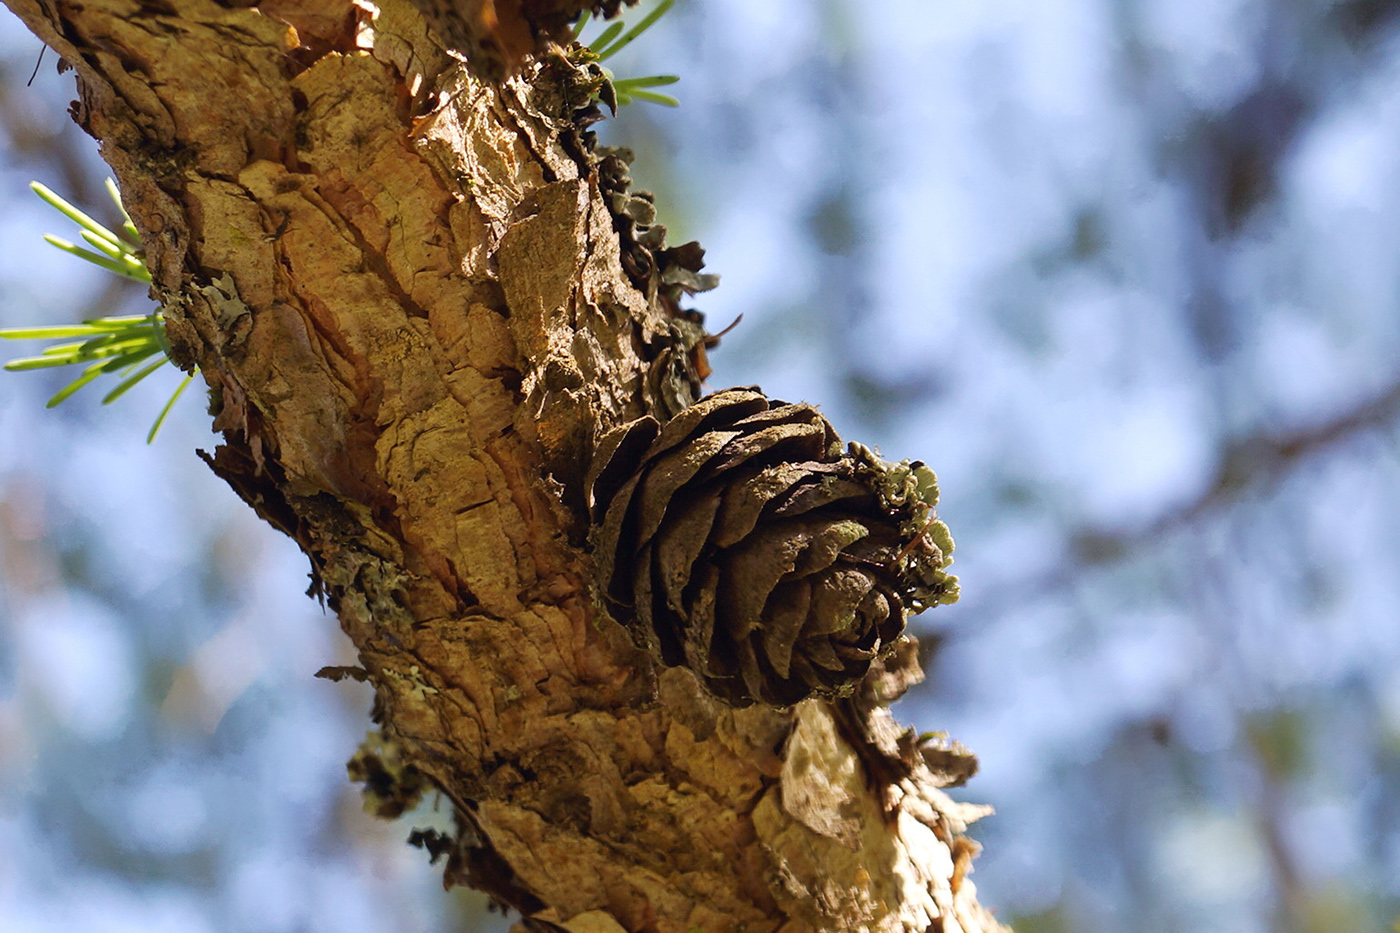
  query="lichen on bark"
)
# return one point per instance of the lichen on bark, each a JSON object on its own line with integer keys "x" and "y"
{"x": 408, "y": 293}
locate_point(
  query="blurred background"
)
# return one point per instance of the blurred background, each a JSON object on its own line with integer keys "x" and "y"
{"x": 1126, "y": 273}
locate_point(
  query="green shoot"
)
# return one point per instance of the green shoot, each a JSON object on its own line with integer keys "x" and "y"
{"x": 174, "y": 397}
{"x": 120, "y": 345}
{"x": 128, "y": 228}
{"x": 604, "y": 37}
{"x": 131, "y": 380}
{"x": 131, "y": 245}
{"x": 630, "y": 89}
{"x": 611, "y": 41}
{"x": 605, "y": 51}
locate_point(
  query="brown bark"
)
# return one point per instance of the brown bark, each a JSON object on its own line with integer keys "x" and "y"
{"x": 406, "y": 292}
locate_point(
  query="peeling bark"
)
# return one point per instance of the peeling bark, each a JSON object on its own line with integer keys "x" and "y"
{"x": 409, "y": 297}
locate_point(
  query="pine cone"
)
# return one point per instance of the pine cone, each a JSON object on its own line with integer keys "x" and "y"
{"x": 740, "y": 540}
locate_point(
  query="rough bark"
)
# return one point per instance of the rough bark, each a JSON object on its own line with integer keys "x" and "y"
{"x": 410, "y": 300}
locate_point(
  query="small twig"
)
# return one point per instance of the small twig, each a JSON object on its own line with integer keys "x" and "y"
{"x": 37, "y": 62}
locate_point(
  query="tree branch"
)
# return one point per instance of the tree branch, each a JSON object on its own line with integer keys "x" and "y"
{"x": 409, "y": 296}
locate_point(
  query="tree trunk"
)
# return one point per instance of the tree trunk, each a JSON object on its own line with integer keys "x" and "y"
{"x": 416, "y": 311}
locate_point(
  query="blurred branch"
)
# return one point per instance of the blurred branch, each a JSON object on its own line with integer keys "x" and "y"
{"x": 1252, "y": 465}
{"x": 1257, "y": 462}
{"x": 1273, "y": 744}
